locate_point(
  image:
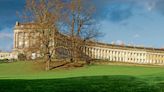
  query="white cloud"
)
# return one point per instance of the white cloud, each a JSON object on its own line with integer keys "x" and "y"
{"x": 6, "y": 39}
{"x": 119, "y": 42}
{"x": 150, "y": 5}
{"x": 136, "y": 36}
{"x": 6, "y": 33}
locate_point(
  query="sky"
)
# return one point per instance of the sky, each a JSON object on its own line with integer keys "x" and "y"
{"x": 132, "y": 22}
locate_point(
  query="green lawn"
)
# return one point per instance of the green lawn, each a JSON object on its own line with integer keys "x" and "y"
{"x": 28, "y": 77}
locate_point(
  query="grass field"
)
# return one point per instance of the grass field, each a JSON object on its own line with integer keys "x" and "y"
{"x": 29, "y": 77}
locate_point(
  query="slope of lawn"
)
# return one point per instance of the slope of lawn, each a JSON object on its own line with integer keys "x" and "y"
{"x": 28, "y": 77}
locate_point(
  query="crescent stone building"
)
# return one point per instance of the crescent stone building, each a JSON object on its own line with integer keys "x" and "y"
{"x": 97, "y": 50}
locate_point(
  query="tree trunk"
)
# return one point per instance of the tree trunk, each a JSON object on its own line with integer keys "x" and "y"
{"x": 48, "y": 60}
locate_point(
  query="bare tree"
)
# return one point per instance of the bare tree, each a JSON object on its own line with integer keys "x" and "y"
{"x": 81, "y": 27}
{"x": 44, "y": 15}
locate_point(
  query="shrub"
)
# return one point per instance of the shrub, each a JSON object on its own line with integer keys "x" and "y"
{"x": 4, "y": 60}
{"x": 22, "y": 57}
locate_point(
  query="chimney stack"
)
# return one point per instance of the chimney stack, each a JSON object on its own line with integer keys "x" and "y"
{"x": 17, "y": 23}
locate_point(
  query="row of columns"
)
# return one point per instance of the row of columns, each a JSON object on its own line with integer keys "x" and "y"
{"x": 131, "y": 56}
{"x": 22, "y": 39}
{"x": 155, "y": 58}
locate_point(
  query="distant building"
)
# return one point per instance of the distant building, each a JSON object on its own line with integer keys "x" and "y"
{"x": 95, "y": 50}
{"x": 8, "y": 55}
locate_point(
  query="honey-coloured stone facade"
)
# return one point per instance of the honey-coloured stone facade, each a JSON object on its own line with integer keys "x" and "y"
{"x": 96, "y": 50}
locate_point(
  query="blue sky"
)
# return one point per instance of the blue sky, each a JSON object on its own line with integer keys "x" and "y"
{"x": 132, "y": 22}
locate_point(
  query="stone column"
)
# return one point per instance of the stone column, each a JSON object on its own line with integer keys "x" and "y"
{"x": 89, "y": 54}
{"x": 158, "y": 59}
{"x": 122, "y": 56}
{"x": 155, "y": 58}
{"x": 23, "y": 39}
{"x": 88, "y": 51}
{"x": 125, "y": 56}
{"x": 97, "y": 50}
{"x": 92, "y": 54}
{"x": 135, "y": 57}
{"x": 152, "y": 58}
{"x": 101, "y": 50}
{"x": 97, "y": 53}
{"x": 108, "y": 54}
{"x": 145, "y": 58}
{"x": 29, "y": 39}
{"x": 149, "y": 58}
{"x": 162, "y": 59}
{"x": 118, "y": 56}
{"x": 115, "y": 55}
{"x": 105, "y": 54}
{"x": 15, "y": 40}
{"x": 91, "y": 50}
{"x": 132, "y": 57}
{"x": 112, "y": 55}
{"x": 101, "y": 53}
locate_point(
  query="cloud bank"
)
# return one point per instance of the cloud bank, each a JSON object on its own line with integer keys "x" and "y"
{"x": 6, "y": 39}
{"x": 119, "y": 10}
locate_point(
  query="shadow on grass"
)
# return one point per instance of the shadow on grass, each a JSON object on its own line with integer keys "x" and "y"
{"x": 81, "y": 84}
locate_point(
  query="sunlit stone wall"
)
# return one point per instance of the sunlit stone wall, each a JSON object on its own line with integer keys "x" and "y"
{"x": 8, "y": 55}
{"x": 129, "y": 55}
{"x": 141, "y": 55}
